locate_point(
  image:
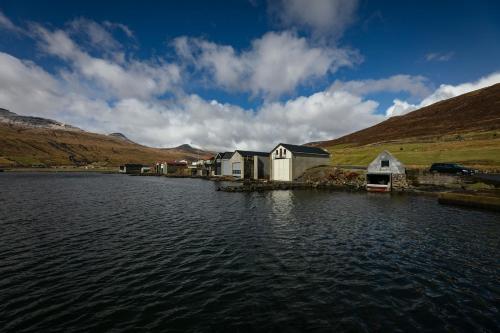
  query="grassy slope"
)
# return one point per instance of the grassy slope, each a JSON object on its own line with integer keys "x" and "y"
{"x": 462, "y": 129}
{"x": 477, "y": 149}
{"x": 24, "y": 147}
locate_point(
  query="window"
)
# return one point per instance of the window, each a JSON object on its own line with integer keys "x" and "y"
{"x": 384, "y": 163}
{"x": 236, "y": 172}
{"x": 284, "y": 152}
{"x": 277, "y": 152}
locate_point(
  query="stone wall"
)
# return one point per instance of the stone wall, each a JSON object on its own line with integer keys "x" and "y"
{"x": 399, "y": 182}
{"x": 425, "y": 178}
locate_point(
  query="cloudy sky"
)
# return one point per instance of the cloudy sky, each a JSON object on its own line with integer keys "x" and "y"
{"x": 246, "y": 74}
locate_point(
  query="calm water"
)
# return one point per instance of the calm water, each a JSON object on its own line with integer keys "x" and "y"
{"x": 85, "y": 252}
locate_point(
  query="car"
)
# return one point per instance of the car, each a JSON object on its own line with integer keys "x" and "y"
{"x": 452, "y": 168}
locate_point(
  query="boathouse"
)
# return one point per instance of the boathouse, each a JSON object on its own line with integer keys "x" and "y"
{"x": 203, "y": 168}
{"x": 217, "y": 167}
{"x": 170, "y": 168}
{"x": 385, "y": 173}
{"x": 250, "y": 164}
{"x": 131, "y": 168}
{"x": 226, "y": 168}
{"x": 288, "y": 162}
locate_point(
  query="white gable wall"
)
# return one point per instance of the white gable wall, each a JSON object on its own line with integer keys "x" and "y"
{"x": 281, "y": 164}
{"x": 395, "y": 166}
{"x": 291, "y": 166}
{"x": 226, "y": 168}
{"x": 237, "y": 163}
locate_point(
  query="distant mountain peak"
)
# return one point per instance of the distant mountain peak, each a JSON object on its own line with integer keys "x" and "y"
{"x": 12, "y": 118}
{"x": 184, "y": 146}
{"x": 121, "y": 137}
{"x": 118, "y": 135}
{"x": 188, "y": 149}
{"x": 5, "y": 112}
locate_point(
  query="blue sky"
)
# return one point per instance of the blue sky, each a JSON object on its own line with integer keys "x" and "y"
{"x": 247, "y": 74}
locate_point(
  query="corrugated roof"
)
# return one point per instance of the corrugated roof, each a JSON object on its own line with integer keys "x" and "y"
{"x": 306, "y": 150}
{"x": 227, "y": 155}
{"x": 248, "y": 153}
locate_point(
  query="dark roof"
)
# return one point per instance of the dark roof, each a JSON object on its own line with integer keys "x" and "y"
{"x": 248, "y": 153}
{"x": 227, "y": 155}
{"x": 304, "y": 150}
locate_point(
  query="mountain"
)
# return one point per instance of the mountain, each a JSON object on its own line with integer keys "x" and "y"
{"x": 121, "y": 137}
{"x": 475, "y": 111}
{"x": 186, "y": 148}
{"x": 463, "y": 129}
{"x": 11, "y": 118}
{"x": 27, "y": 141}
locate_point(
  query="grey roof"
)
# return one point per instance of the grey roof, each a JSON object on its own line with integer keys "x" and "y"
{"x": 227, "y": 155}
{"x": 304, "y": 150}
{"x": 395, "y": 166}
{"x": 248, "y": 153}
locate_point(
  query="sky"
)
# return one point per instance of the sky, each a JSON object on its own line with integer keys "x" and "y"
{"x": 224, "y": 75}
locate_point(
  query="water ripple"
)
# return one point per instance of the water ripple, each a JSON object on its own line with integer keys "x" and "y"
{"x": 90, "y": 252}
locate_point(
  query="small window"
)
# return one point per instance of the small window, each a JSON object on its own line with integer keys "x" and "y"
{"x": 384, "y": 163}
{"x": 284, "y": 151}
{"x": 277, "y": 152}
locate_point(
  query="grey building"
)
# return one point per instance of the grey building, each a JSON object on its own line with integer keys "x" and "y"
{"x": 250, "y": 164}
{"x": 217, "y": 167}
{"x": 131, "y": 168}
{"x": 226, "y": 168}
{"x": 384, "y": 173}
{"x": 288, "y": 162}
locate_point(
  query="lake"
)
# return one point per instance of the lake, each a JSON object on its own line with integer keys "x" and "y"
{"x": 97, "y": 252}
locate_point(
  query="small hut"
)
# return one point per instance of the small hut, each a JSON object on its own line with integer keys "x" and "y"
{"x": 385, "y": 173}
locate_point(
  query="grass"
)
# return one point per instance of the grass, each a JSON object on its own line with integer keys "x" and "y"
{"x": 22, "y": 147}
{"x": 477, "y": 149}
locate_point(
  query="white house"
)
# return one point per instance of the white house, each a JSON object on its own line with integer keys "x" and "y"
{"x": 288, "y": 162}
{"x": 384, "y": 173}
{"x": 226, "y": 167}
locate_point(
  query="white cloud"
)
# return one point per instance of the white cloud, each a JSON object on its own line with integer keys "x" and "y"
{"x": 120, "y": 26}
{"x": 95, "y": 34}
{"x": 445, "y": 91}
{"x": 437, "y": 56}
{"x": 414, "y": 85}
{"x": 110, "y": 91}
{"x": 187, "y": 118}
{"x": 323, "y": 17}
{"x": 399, "y": 108}
{"x": 119, "y": 77}
{"x": 6, "y": 23}
{"x": 276, "y": 63}
{"x": 219, "y": 126}
{"x": 26, "y": 86}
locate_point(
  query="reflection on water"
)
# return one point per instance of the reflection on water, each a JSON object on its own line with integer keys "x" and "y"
{"x": 90, "y": 252}
{"x": 282, "y": 204}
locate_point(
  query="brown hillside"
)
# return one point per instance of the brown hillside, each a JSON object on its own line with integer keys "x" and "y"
{"x": 475, "y": 111}
{"x": 24, "y": 146}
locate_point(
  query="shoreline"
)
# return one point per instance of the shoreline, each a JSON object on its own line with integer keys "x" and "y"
{"x": 483, "y": 200}
{"x": 59, "y": 169}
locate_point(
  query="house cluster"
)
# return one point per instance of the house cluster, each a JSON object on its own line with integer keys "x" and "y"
{"x": 286, "y": 162}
